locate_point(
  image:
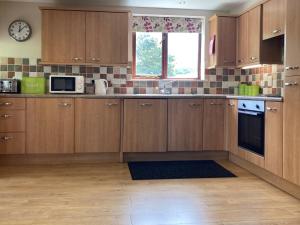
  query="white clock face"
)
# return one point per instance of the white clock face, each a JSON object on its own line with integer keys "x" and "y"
{"x": 19, "y": 30}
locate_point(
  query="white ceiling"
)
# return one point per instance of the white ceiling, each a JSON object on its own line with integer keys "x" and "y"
{"x": 219, "y": 5}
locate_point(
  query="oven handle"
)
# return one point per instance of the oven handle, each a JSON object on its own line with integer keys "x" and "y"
{"x": 250, "y": 113}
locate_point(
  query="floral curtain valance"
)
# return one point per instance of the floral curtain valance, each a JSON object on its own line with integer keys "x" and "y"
{"x": 167, "y": 24}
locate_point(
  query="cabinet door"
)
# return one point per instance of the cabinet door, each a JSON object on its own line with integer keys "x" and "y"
{"x": 273, "y": 137}
{"x": 107, "y": 37}
{"x": 63, "y": 36}
{"x": 213, "y": 35}
{"x": 232, "y": 126}
{"x": 273, "y": 18}
{"x": 12, "y": 143}
{"x": 292, "y": 38}
{"x": 242, "y": 40}
{"x": 50, "y": 125}
{"x": 214, "y": 124}
{"x": 291, "y": 131}
{"x": 254, "y": 35}
{"x": 145, "y": 125}
{"x": 185, "y": 124}
{"x": 97, "y": 125}
{"x": 226, "y": 52}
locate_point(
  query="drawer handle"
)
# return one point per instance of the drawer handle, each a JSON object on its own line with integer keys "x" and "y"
{"x": 77, "y": 59}
{"x": 145, "y": 104}
{"x": 195, "y": 104}
{"x": 5, "y": 104}
{"x": 66, "y": 105}
{"x": 95, "y": 59}
{"x": 6, "y": 138}
{"x": 231, "y": 104}
{"x": 291, "y": 84}
{"x": 216, "y": 104}
{"x": 276, "y": 31}
{"x": 253, "y": 58}
{"x": 111, "y": 104}
{"x": 271, "y": 109}
{"x": 5, "y": 116}
{"x": 292, "y": 68}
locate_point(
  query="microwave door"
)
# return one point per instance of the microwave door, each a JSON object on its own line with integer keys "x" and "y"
{"x": 63, "y": 84}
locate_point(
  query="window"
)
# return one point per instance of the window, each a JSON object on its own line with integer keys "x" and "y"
{"x": 166, "y": 55}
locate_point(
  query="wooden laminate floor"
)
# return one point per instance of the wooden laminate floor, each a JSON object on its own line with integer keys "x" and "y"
{"x": 105, "y": 194}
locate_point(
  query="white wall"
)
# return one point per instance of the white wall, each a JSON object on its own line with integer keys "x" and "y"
{"x": 31, "y": 13}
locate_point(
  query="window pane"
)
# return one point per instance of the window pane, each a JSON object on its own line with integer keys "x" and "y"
{"x": 148, "y": 54}
{"x": 183, "y": 55}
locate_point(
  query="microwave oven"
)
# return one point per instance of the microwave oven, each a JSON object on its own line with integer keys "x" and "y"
{"x": 66, "y": 84}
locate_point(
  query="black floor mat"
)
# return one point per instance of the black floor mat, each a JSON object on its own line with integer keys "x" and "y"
{"x": 177, "y": 170}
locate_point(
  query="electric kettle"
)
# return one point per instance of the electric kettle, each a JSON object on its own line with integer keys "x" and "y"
{"x": 101, "y": 86}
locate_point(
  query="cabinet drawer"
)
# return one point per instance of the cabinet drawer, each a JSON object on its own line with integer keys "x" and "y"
{"x": 12, "y": 143}
{"x": 12, "y": 103}
{"x": 12, "y": 120}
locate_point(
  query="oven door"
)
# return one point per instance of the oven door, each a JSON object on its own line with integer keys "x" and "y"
{"x": 251, "y": 131}
{"x": 62, "y": 84}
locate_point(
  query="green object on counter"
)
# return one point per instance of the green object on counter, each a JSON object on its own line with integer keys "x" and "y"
{"x": 33, "y": 85}
{"x": 242, "y": 88}
{"x": 254, "y": 90}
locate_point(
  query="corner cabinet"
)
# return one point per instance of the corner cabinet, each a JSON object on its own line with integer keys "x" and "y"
{"x": 145, "y": 125}
{"x": 49, "y": 125}
{"x": 222, "y": 34}
{"x": 86, "y": 37}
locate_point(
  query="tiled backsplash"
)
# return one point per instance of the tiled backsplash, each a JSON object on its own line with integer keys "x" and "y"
{"x": 217, "y": 81}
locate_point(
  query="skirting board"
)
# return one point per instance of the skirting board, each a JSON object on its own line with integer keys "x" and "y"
{"x": 51, "y": 159}
{"x": 278, "y": 182}
{"x": 167, "y": 156}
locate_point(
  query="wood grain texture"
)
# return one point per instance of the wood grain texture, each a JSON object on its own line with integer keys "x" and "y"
{"x": 185, "y": 124}
{"x": 251, "y": 157}
{"x": 145, "y": 125}
{"x": 214, "y": 124}
{"x": 273, "y": 18}
{"x": 254, "y": 35}
{"x": 292, "y": 37}
{"x": 12, "y": 120}
{"x": 97, "y": 125}
{"x": 12, "y": 143}
{"x": 12, "y": 103}
{"x": 50, "y": 125}
{"x": 232, "y": 126}
{"x": 107, "y": 37}
{"x": 213, "y": 27}
{"x": 242, "y": 40}
{"x": 274, "y": 138}
{"x": 291, "y": 132}
{"x": 63, "y": 36}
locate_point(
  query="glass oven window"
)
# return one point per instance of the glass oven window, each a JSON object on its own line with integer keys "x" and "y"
{"x": 63, "y": 84}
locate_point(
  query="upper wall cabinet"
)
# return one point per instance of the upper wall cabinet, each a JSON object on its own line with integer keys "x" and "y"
{"x": 63, "y": 36}
{"x": 222, "y": 49}
{"x": 242, "y": 39}
{"x": 273, "y": 18}
{"x": 85, "y": 37}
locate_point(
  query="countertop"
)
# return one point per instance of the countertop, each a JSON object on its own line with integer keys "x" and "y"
{"x": 143, "y": 96}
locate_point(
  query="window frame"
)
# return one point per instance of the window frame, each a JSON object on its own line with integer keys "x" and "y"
{"x": 164, "y": 74}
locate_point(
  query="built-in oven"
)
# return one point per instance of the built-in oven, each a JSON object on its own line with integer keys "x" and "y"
{"x": 251, "y": 126}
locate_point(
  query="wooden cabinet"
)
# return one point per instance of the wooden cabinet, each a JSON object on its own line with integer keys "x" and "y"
{"x": 232, "y": 126}
{"x": 292, "y": 49}
{"x": 50, "y": 125}
{"x": 214, "y": 124}
{"x": 254, "y": 35}
{"x": 273, "y": 18}
{"x": 223, "y": 31}
{"x": 242, "y": 40}
{"x": 12, "y": 143}
{"x": 107, "y": 37}
{"x": 97, "y": 125}
{"x": 185, "y": 124}
{"x": 145, "y": 125}
{"x": 12, "y": 103}
{"x": 12, "y": 120}
{"x": 63, "y": 36}
{"x": 273, "y": 137}
{"x": 291, "y": 130}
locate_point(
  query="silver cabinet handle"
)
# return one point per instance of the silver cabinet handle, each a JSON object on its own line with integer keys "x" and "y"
{"x": 145, "y": 104}
{"x": 195, "y": 104}
{"x": 213, "y": 103}
{"x": 6, "y": 138}
{"x": 95, "y": 59}
{"x": 292, "y": 68}
{"x": 253, "y": 58}
{"x": 111, "y": 104}
{"x": 291, "y": 84}
{"x": 5, "y": 104}
{"x": 276, "y": 31}
{"x": 231, "y": 104}
{"x": 5, "y": 116}
{"x": 77, "y": 59}
{"x": 64, "y": 105}
{"x": 271, "y": 109}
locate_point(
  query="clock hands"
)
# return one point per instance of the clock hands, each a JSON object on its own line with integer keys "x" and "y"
{"x": 22, "y": 28}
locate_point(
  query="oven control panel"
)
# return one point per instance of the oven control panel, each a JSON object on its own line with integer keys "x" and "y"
{"x": 251, "y": 105}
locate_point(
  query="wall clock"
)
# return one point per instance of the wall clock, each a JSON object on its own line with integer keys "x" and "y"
{"x": 20, "y": 30}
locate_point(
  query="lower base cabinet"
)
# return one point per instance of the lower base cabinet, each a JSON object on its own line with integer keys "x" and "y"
{"x": 12, "y": 143}
{"x": 50, "y": 125}
{"x": 97, "y": 125}
{"x": 232, "y": 126}
{"x": 145, "y": 125}
{"x": 185, "y": 124}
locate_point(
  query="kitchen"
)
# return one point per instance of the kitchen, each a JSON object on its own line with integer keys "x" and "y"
{"x": 109, "y": 109}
